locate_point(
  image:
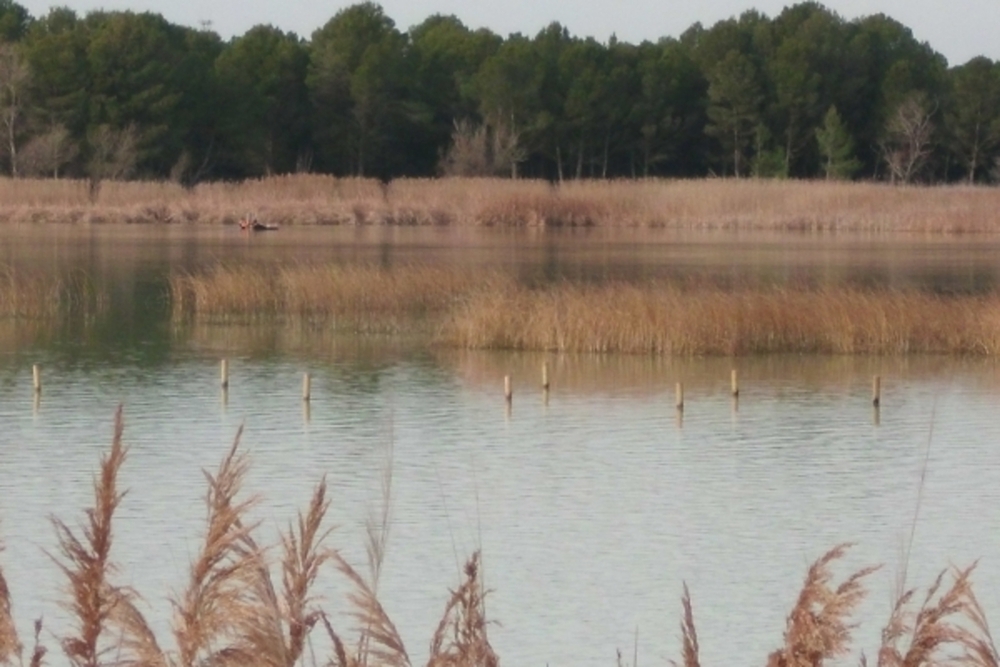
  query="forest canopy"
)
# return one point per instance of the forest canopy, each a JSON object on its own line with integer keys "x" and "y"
{"x": 804, "y": 94}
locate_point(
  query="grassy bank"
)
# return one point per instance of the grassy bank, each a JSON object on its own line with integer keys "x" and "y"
{"x": 705, "y": 204}
{"x": 235, "y": 611}
{"x": 473, "y": 311}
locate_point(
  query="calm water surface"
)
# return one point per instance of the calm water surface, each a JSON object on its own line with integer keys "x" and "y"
{"x": 592, "y": 508}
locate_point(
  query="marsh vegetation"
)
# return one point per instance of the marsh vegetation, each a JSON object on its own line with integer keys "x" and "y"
{"x": 702, "y": 205}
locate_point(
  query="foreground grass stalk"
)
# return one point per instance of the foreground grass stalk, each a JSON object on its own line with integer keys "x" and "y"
{"x": 10, "y": 644}
{"x": 819, "y": 627}
{"x": 947, "y": 622}
{"x": 215, "y": 607}
{"x": 304, "y": 555}
{"x": 461, "y": 638}
{"x": 106, "y": 617}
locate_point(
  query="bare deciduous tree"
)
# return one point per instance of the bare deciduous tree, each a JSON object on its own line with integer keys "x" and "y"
{"x": 483, "y": 150}
{"x": 46, "y": 153}
{"x": 14, "y": 75}
{"x": 113, "y": 154}
{"x": 907, "y": 143}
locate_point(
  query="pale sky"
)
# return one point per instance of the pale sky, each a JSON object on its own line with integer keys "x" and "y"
{"x": 959, "y": 29}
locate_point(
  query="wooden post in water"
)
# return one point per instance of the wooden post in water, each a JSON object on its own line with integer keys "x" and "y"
{"x": 224, "y": 374}
{"x": 508, "y": 391}
{"x": 306, "y": 387}
{"x": 876, "y": 391}
{"x": 36, "y": 376}
{"x": 680, "y": 395}
{"x": 545, "y": 375}
{"x": 734, "y": 384}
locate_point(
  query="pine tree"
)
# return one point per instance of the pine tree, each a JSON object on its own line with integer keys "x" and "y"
{"x": 836, "y": 147}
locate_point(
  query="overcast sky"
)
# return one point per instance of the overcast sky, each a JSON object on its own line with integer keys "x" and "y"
{"x": 959, "y": 29}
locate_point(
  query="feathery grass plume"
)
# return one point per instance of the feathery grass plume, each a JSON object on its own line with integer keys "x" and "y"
{"x": 217, "y": 603}
{"x": 263, "y": 628}
{"x": 689, "y": 636}
{"x": 379, "y": 642}
{"x": 938, "y": 628}
{"x": 818, "y": 627}
{"x": 10, "y": 645}
{"x": 461, "y": 637}
{"x": 304, "y": 554}
{"x": 97, "y": 606}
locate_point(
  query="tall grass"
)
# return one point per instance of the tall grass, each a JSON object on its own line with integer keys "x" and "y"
{"x": 31, "y": 295}
{"x": 361, "y": 297}
{"x": 662, "y": 318}
{"x": 492, "y": 311}
{"x": 694, "y": 204}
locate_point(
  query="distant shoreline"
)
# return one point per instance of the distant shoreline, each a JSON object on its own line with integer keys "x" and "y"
{"x": 707, "y": 204}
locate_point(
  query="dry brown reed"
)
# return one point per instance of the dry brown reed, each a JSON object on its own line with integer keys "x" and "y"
{"x": 28, "y": 295}
{"x": 660, "y": 318}
{"x": 747, "y": 204}
{"x": 361, "y": 297}
{"x": 818, "y": 627}
{"x": 461, "y": 638}
{"x": 105, "y": 615}
{"x": 10, "y": 644}
{"x": 215, "y": 607}
{"x": 949, "y": 627}
{"x": 689, "y": 634}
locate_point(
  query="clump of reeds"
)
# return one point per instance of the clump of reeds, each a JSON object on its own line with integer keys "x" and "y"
{"x": 28, "y": 295}
{"x": 461, "y": 638}
{"x": 949, "y": 625}
{"x": 664, "y": 318}
{"x": 361, "y": 297}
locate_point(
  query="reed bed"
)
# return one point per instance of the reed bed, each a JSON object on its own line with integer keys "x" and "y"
{"x": 732, "y": 204}
{"x": 360, "y": 297}
{"x": 661, "y": 318}
{"x": 27, "y": 295}
{"x": 234, "y": 611}
{"x": 471, "y": 310}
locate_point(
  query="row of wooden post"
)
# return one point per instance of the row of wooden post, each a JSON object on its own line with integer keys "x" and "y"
{"x": 508, "y": 389}
{"x": 734, "y": 388}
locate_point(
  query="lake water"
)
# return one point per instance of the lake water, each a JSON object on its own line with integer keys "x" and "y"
{"x": 592, "y": 508}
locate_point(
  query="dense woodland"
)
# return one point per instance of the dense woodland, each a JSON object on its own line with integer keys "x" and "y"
{"x": 805, "y": 94}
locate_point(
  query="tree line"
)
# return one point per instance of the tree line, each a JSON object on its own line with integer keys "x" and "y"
{"x": 805, "y": 94}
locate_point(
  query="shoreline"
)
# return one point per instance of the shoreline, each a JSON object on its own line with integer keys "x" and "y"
{"x": 698, "y": 205}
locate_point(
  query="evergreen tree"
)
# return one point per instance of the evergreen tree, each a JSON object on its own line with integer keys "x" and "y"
{"x": 836, "y": 147}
